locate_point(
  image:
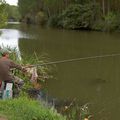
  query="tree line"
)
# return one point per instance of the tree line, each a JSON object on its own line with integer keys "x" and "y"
{"x": 3, "y": 14}
{"x": 72, "y": 14}
{"x": 8, "y": 13}
{"x": 69, "y": 14}
{"x": 13, "y": 14}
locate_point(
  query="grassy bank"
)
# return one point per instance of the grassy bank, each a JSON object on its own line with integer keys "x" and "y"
{"x": 44, "y": 72}
{"x": 27, "y": 109}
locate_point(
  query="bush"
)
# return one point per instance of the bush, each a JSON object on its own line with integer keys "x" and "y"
{"x": 53, "y": 21}
{"x": 44, "y": 72}
{"x": 110, "y": 22}
{"x": 78, "y": 16}
{"x": 41, "y": 18}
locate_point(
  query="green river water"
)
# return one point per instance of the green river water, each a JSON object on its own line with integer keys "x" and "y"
{"x": 94, "y": 81}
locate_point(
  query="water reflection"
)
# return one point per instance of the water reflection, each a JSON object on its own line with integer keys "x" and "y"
{"x": 10, "y": 38}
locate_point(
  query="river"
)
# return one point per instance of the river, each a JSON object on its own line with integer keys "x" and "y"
{"x": 94, "y": 81}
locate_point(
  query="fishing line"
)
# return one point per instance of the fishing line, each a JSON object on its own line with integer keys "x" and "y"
{"x": 75, "y": 59}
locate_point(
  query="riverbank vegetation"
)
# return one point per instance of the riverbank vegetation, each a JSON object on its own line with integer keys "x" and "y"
{"x": 3, "y": 14}
{"x": 27, "y": 109}
{"x": 72, "y": 14}
{"x": 23, "y": 107}
{"x": 8, "y": 13}
{"x": 28, "y": 104}
{"x": 33, "y": 61}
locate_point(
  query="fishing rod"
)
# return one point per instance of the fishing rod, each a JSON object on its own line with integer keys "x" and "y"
{"x": 73, "y": 60}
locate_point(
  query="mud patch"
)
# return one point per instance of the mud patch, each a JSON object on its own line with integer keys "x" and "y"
{"x": 3, "y": 118}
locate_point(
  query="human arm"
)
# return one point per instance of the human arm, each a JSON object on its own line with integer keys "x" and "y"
{"x": 17, "y": 66}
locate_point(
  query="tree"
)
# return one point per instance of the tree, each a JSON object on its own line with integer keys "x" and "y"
{"x": 27, "y": 6}
{"x": 3, "y": 14}
{"x": 80, "y": 16}
{"x": 12, "y": 12}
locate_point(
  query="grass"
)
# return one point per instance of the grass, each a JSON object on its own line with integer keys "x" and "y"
{"x": 44, "y": 72}
{"x": 27, "y": 109}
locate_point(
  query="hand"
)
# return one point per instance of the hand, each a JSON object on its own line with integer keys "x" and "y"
{"x": 24, "y": 70}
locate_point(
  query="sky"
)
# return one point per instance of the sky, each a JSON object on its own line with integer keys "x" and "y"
{"x": 12, "y": 2}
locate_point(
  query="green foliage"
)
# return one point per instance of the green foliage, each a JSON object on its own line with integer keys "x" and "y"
{"x": 77, "y": 112}
{"x": 83, "y": 1}
{"x": 52, "y": 7}
{"x": 3, "y": 14}
{"x": 54, "y": 21}
{"x": 27, "y": 6}
{"x": 12, "y": 12}
{"x": 41, "y": 18}
{"x": 27, "y": 109}
{"x": 84, "y": 112}
{"x": 73, "y": 14}
{"x": 44, "y": 72}
{"x": 78, "y": 16}
{"x": 111, "y": 22}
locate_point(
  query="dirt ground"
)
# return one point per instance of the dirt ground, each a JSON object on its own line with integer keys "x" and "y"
{"x": 1, "y": 118}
